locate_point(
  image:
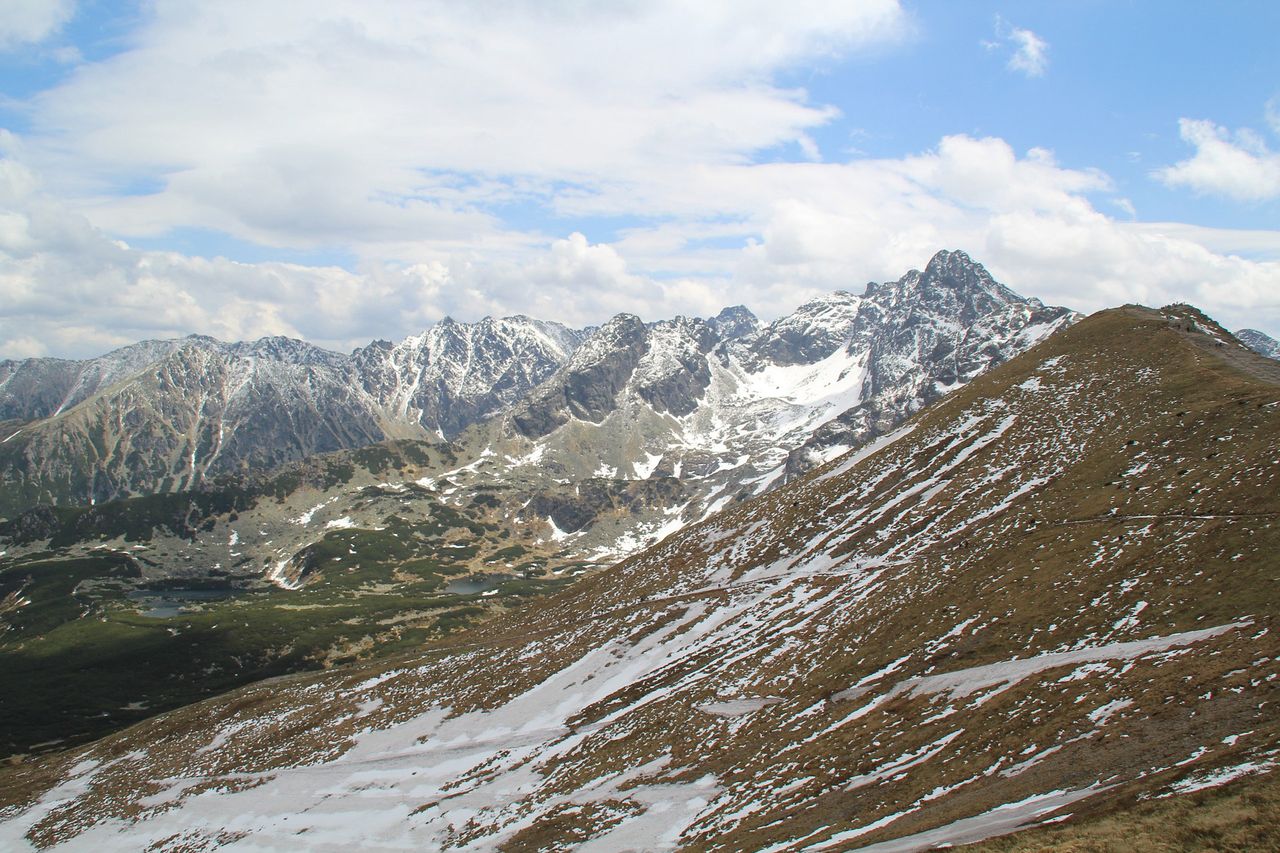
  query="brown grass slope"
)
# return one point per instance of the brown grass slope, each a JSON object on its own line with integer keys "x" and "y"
{"x": 1053, "y": 594}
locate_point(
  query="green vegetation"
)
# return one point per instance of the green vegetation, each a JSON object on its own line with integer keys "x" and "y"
{"x": 141, "y": 519}
{"x": 113, "y": 613}
{"x": 81, "y": 656}
{"x": 79, "y": 660}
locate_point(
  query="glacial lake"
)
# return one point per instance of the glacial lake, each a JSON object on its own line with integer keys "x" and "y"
{"x": 166, "y": 603}
{"x": 475, "y": 584}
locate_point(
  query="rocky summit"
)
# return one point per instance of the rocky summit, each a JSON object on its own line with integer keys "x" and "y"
{"x": 1047, "y": 600}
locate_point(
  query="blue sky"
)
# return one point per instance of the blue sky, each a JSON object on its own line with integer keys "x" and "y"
{"x": 341, "y": 171}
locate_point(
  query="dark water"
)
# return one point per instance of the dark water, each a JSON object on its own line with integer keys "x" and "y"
{"x": 164, "y": 603}
{"x": 475, "y": 584}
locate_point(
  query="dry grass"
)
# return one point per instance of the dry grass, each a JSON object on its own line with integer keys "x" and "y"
{"x": 1240, "y": 817}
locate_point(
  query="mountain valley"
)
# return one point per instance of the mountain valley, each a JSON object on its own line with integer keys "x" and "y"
{"x": 133, "y": 606}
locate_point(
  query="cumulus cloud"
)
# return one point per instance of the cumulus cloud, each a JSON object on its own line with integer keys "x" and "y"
{"x": 32, "y": 21}
{"x": 406, "y": 132}
{"x": 768, "y": 235}
{"x": 70, "y": 290}
{"x": 1030, "y": 53}
{"x": 1236, "y": 165}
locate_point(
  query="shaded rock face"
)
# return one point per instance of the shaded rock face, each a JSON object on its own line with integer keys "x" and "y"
{"x": 577, "y": 509}
{"x": 587, "y": 387}
{"x": 665, "y": 364}
{"x": 1259, "y": 342}
{"x": 677, "y": 371}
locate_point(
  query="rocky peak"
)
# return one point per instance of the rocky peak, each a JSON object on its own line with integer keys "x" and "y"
{"x": 1259, "y": 342}
{"x": 814, "y": 331}
{"x": 455, "y": 374}
{"x": 734, "y": 322}
{"x": 955, "y": 283}
{"x": 283, "y": 349}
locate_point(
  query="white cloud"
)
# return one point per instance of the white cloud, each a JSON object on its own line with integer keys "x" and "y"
{"x": 1238, "y": 165}
{"x": 1030, "y": 52}
{"x": 769, "y": 236}
{"x": 376, "y": 123}
{"x": 32, "y": 21}
{"x": 407, "y": 132}
{"x": 70, "y": 290}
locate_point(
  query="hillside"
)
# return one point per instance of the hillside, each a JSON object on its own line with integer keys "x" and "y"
{"x": 1050, "y": 595}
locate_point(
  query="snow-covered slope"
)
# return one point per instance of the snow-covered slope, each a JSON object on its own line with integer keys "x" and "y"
{"x": 1047, "y": 595}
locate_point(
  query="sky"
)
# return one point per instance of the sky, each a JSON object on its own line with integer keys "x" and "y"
{"x": 344, "y": 171}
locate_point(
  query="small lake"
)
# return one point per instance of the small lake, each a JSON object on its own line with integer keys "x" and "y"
{"x": 476, "y": 584}
{"x": 166, "y": 603}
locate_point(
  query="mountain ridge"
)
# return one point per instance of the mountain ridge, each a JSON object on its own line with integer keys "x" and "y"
{"x": 164, "y": 416}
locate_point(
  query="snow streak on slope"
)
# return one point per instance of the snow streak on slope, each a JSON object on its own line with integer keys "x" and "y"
{"x": 941, "y": 638}
{"x": 731, "y": 418}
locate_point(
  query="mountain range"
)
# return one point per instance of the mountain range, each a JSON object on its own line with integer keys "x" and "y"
{"x": 625, "y": 399}
{"x": 637, "y": 430}
{"x": 1046, "y": 600}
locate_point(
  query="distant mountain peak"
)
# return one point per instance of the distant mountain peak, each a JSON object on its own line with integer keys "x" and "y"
{"x": 734, "y": 322}
{"x": 1259, "y": 342}
{"x": 955, "y": 270}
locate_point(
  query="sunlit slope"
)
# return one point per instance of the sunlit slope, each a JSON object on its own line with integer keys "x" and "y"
{"x": 1052, "y": 592}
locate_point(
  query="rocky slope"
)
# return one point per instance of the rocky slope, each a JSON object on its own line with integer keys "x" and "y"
{"x": 1049, "y": 594}
{"x": 733, "y": 416}
{"x": 164, "y": 416}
